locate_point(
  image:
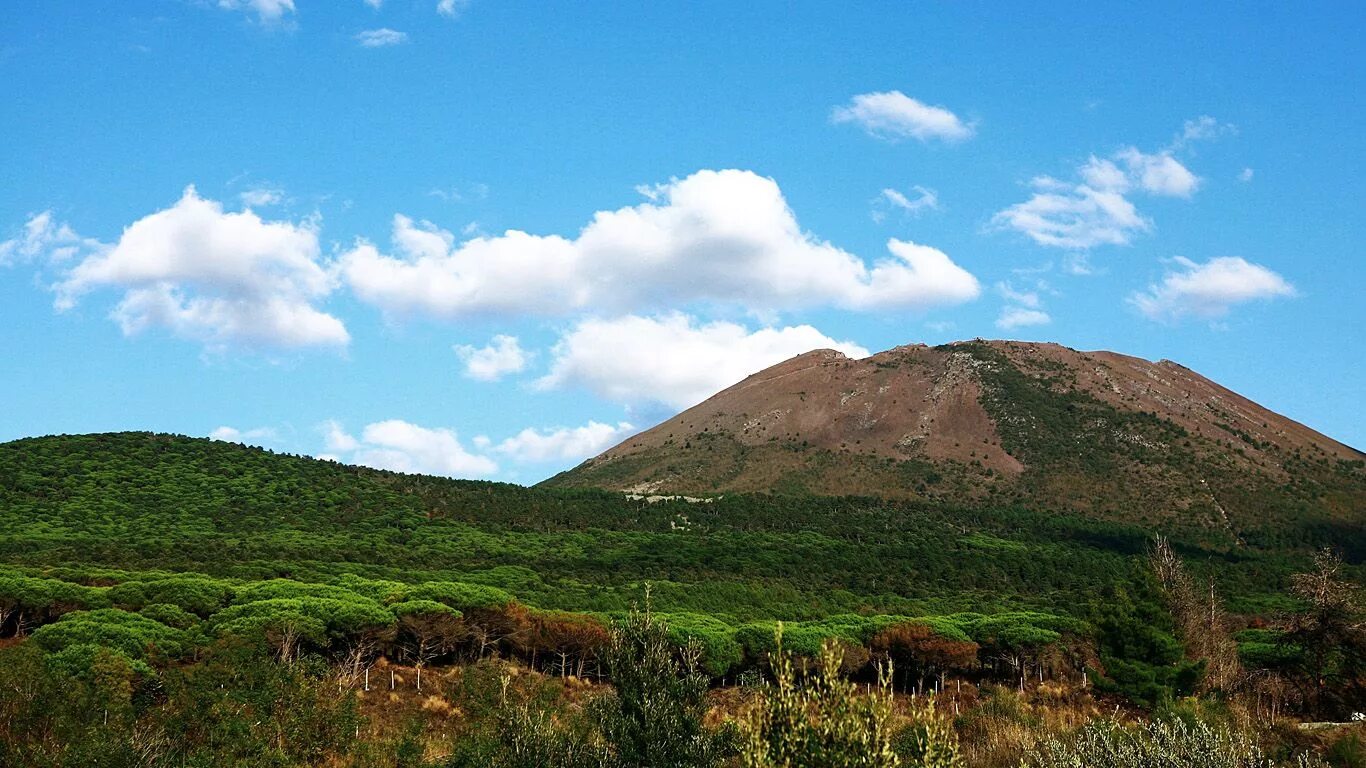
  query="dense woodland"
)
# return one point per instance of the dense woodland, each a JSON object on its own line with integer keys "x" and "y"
{"x": 280, "y": 610}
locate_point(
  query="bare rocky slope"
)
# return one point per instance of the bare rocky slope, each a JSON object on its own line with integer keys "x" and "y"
{"x": 999, "y": 422}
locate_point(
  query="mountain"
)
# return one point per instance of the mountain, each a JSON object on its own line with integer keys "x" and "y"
{"x": 999, "y": 422}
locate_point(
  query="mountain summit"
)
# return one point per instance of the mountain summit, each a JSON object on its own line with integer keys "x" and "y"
{"x": 999, "y": 422}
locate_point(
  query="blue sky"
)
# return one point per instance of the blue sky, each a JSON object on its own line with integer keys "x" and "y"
{"x": 488, "y": 239}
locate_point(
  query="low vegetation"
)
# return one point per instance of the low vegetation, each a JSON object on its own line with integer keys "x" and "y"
{"x": 174, "y": 602}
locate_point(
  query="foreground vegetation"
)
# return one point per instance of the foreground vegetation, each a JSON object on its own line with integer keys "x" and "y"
{"x": 166, "y": 601}
{"x": 240, "y": 703}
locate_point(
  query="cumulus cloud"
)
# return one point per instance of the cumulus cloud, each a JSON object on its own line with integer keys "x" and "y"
{"x": 217, "y": 277}
{"x": 1096, "y": 210}
{"x": 565, "y": 443}
{"x": 266, "y": 11}
{"x": 502, "y": 356}
{"x": 673, "y": 360}
{"x": 892, "y": 116}
{"x": 381, "y": 38}
{"x": 255, "y": 436}
{"x": 403, "y": 447}
{"x": 895, "y": 200}
{"x": 1020, "y": 317}
{"x": 1245, "y": 175}
{"x": 1209, "y": 290}
{"x": 714, "y": 237}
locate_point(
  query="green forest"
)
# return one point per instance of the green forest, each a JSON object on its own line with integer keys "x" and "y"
{"x": 154, "y": 584}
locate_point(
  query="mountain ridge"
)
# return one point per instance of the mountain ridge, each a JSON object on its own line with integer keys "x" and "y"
{"x": 995, "y": 421}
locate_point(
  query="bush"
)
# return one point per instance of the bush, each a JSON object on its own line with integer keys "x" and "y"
{"x": 827, "y": 724}
{"x": 1158, "y": 744}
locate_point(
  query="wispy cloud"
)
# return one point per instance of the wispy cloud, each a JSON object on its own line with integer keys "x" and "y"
{"x": 262, "y": 197}
{"x": 1020, "y": 317}
{"x": 381, "y": 38}
{"x": 451, "y": 8}
{"x": 893, "y": 116}
{"x": 894, "y": 200}
{"x": 265, "y": 11}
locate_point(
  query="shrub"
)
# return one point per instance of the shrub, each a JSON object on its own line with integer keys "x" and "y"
{"x": 824, "y": 723}
{"x": 1158, "y": 744}
{"x": 655, "y": 717}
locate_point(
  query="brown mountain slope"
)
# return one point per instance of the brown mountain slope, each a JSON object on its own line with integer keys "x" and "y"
{"x": 999, "y": 422}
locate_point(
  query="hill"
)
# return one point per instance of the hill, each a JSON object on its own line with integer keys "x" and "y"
{"x": 95, "y": 508}
{"x": 160, "y": 560}
{"x": 992, "y": 423}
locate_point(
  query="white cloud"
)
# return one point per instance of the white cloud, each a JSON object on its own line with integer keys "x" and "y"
{"x": 1159, "y": 174}
{"x": 1096, "y": 210}
{"x": 451, "y": 8}
{"x": 713, "y": 237}
{"x": 463, "y": 193}
{"x": 403, "y": 447}
{"x": 1023, "y": 308}
{"x": 376, "y": 4}
{"x": 1019, "y": 317}
{"x": 892, "y": 115}
{"x": 1245, "y": 175}
{"x": 1209, "y": 290}
{"x": 336, "y": 438}
{"x": 1028, "y": 299}
{"x": 381, "y": 38}
{"x": 490, "y": 363}
{"x": 266, "y": 11}
{"x": 204, "y": 274}
{"x": 1074, "y": 216}
{"x": 565, "y": 443}
{"x": 245, "y": 437}
{"x": 891, "y": 199}
{"x": 1203, "y": 128}
{"x": 42, "y": 237}
{"x": 1099, "y": 173}
{"x": 673, "y": 360}
{"x": 262, "y": 197}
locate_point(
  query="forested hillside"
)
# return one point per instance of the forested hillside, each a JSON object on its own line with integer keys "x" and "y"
{"x": 137, "y": 501}
{"x": 157, "y": 576}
